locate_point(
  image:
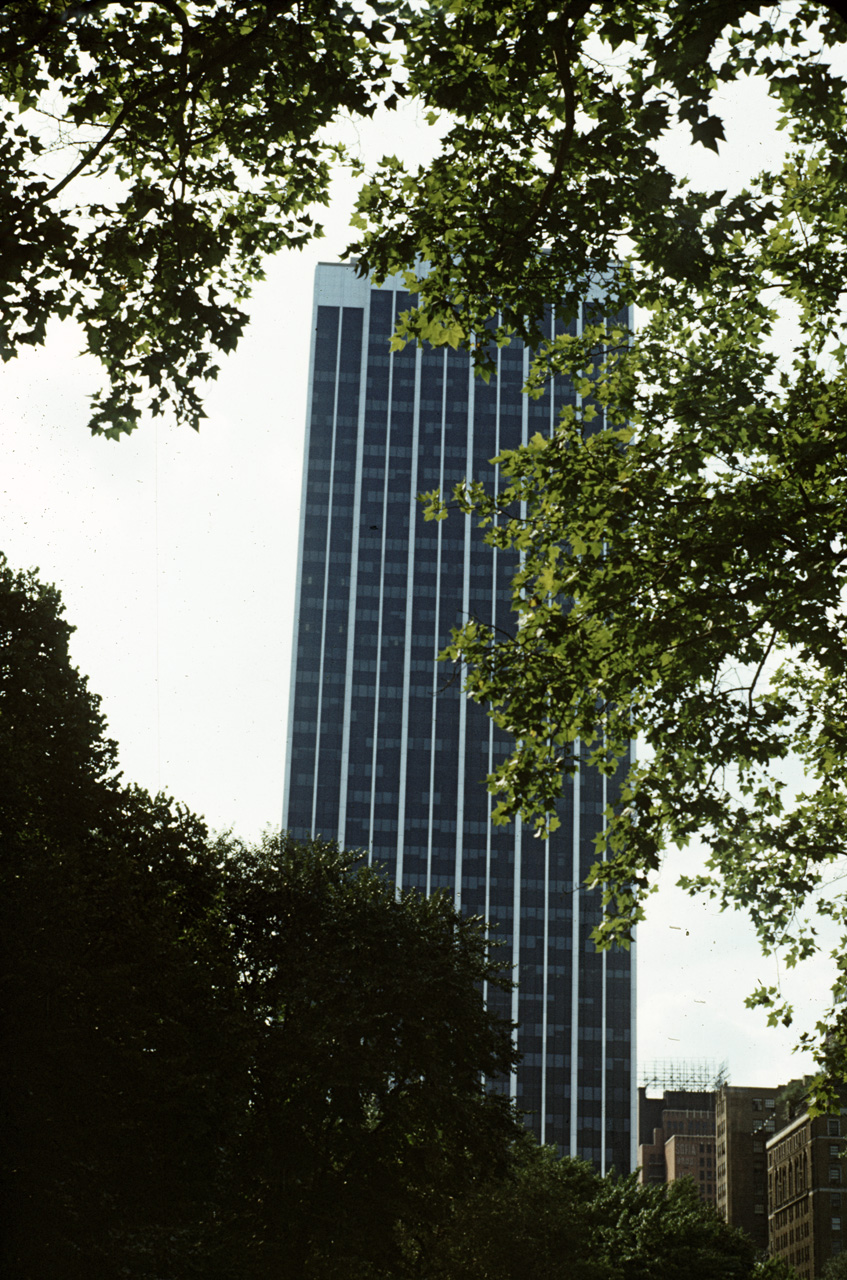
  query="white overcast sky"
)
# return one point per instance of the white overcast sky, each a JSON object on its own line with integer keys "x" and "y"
{"x": 175, "y": 554}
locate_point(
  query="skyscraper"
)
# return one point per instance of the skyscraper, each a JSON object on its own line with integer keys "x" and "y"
{"x": 384, "y": 751}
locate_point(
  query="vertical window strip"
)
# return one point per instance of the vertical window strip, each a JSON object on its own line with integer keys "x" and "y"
{"x": 381, "y": 605}
{"x": 576, "y": 899}
{"x": 466, "y": 611}
{"x": 298, "y": 589}
{"x": 603, "y": 1019}
{"x": 407, "y": 642}
{"x": 516, "y": 949}
{"x": 604, "y": 1124}
{"x": 546, "y": 973}
{"x": 494, "y": 567}
{"x": 355, "y": 533}
{"x": 633, "y": 1034}
{"x": 436, "y": 641}
{"x": 516, "y": 893}
{"x": 544, "y": 991}
{"x": 488, "y": 837}
{"x": 576, "y": 954}
{"x": 324, "y": 817}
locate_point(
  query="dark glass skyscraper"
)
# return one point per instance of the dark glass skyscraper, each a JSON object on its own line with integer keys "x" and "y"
{"x": 384, "y": 751}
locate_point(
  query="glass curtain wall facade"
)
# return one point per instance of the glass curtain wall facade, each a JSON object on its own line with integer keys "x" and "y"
{"x": 385, "y": 753}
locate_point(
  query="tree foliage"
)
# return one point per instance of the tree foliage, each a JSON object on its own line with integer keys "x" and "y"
{"x": 537, "y": 1219}
{"x": 774, "y": 1268}
{"x": 217, "y": 1059}
{"x": 151, "y": 157}
{"x": 367, "y": 1112}
{"x": 680, "y": 535}
{"x": 54, "y": 755}
{"x": 836, "y": 1268}
{"x": 663, "y": 1232}
{"x": 556, "y": 1219}
{"x": 113, "y": 996}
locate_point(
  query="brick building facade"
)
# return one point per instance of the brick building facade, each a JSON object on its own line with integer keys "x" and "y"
{"x": 807, "y": 1174}
{"x": 744, "y": 1120}
{"x": 676, "y": 1135}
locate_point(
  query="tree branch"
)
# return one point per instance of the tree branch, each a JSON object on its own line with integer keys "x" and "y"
{"x": 92, "y": 153}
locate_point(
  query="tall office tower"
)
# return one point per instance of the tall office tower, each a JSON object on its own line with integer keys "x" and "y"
{"x": 385, "y": 753}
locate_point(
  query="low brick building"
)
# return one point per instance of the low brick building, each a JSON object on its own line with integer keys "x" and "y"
{"x": 676, "y": 1134}
{"x": 807, "y": 1183}
{"x": 744, "y": 1120}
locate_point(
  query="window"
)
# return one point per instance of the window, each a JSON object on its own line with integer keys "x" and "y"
{"x": 833, "y": 1128}
{"x": 770, "y": 1103}
{"x": 834, "y": 1174}
{"x": 834, "y": 1149}
{"x": 836, "y": 1224}
{"x": 757, "y": 1104}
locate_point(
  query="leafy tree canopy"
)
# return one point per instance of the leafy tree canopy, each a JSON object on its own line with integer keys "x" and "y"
{"x": 54, "y": 754}
{"x": 556, "y": 1219}
{"x": 836, "y": 1268}
{"x": 680, "y": 537}
{"x": 772, "y": 1268}
{"x": 368, "y": 1115}
{"x": 151, "y": 157}
{"x": 217, "y": 1059}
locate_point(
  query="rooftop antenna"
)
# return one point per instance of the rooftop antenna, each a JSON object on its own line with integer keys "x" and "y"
{"x": 700, "y": 1076}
